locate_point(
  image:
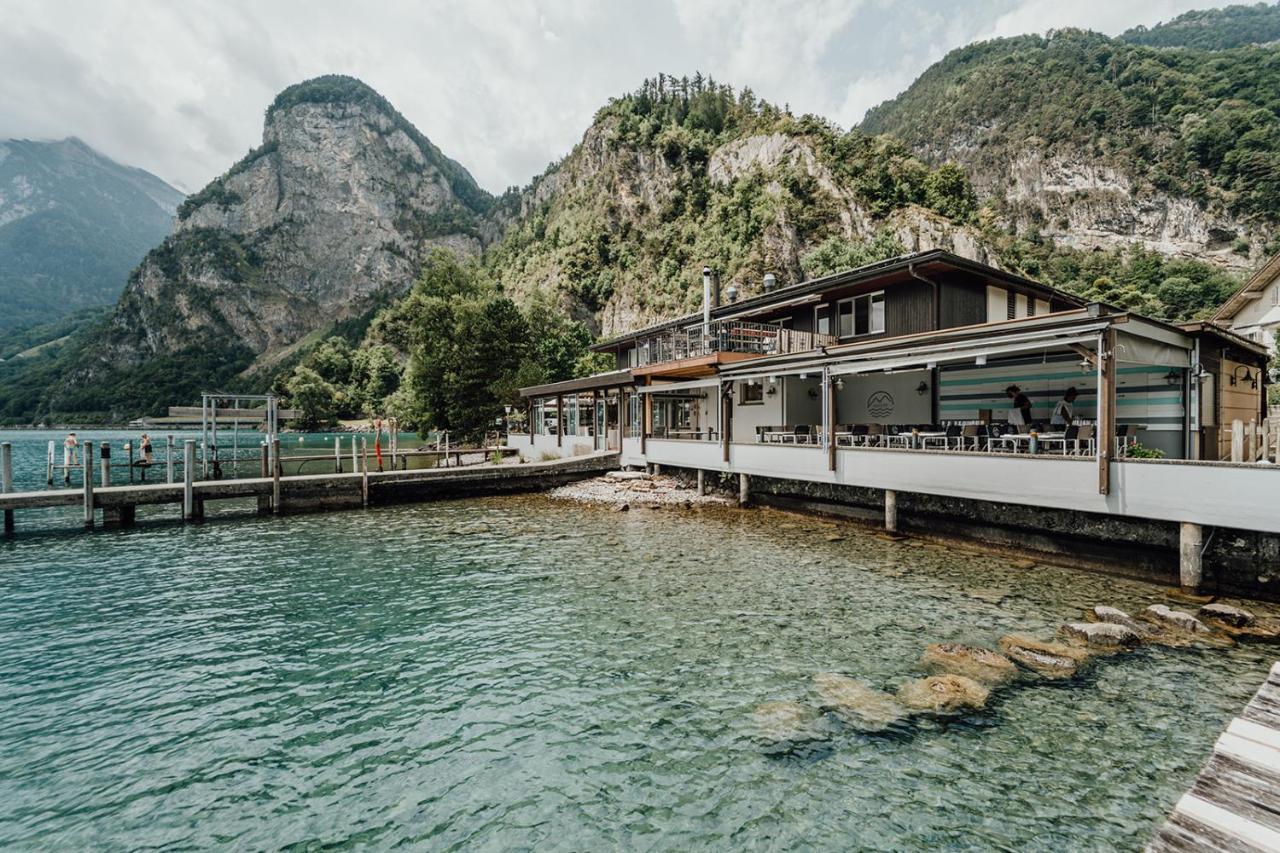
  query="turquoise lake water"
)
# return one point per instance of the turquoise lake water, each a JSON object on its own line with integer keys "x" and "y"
{"x": 524, "y": 673}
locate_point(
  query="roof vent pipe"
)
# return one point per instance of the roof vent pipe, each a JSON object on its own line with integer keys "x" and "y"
{"x": 706, "y": 300}
{"x": 732, "y": 294}
{"x": 770, "y": 282}
{"x": 715, "y": 288}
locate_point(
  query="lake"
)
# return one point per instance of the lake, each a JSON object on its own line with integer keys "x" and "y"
{"x": 522, "y": 672}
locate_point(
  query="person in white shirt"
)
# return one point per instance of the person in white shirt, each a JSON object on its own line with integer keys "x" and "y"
{"x": 1063, "y": 414}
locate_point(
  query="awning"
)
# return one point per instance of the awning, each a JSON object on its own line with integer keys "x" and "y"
{"x": 710, "y": 382}
{"x": 921, "y": 355}
{"x": 601, "y": 381}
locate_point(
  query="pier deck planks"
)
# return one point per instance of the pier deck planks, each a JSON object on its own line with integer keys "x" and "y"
{"x": 1234, "y": 803}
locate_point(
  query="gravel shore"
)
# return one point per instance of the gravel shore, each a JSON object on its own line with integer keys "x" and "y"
{"x": 621, "y": 489}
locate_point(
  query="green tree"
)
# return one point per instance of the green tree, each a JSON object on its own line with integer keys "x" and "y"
{"x": 947, "y": 191}
{"x": 837, "y": 254}
{"x": 316, "y": 398}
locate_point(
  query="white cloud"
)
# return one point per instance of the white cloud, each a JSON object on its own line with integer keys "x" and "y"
{"x": 503, "y": 87}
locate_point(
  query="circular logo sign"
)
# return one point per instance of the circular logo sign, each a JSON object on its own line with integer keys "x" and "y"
{"x": 880, "y": 404}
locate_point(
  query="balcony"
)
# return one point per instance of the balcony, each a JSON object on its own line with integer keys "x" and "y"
{"x": 725, "y": 336}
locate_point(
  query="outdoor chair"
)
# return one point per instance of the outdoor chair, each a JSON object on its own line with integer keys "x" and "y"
{"x": 1083, "y": 444}
{"x": 1064, "y": 444}
{"x": 971, "y": 437}
{"x": 803, "y": 434}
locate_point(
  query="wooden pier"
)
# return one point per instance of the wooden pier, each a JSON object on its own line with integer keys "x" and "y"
{"x": 310, "y": 492}
{"x": 1234, "y": 803}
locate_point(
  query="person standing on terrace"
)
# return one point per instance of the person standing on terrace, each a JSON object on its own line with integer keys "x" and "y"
{"x": 1063, "y": 414}
{"x": 1020, "y": 411}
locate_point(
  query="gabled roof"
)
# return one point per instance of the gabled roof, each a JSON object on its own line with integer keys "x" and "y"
{"x": 1268, "y": 273}
{"x": 868, "y": 273}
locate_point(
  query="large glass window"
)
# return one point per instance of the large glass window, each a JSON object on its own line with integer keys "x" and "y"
{"x": 822, "y": 319}
{"x": 861, "y": 315}
{"x": 751, "y": 393}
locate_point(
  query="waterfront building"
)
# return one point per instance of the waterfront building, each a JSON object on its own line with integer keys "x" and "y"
{"x": 1253, "y": 311}
{"x": 937, "y": 375}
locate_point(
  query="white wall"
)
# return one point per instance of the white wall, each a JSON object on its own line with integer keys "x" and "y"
{"x": 885, "y": 398}
{"x": 747, "y": 418}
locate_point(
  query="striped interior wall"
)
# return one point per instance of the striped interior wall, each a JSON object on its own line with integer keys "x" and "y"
{"x": 1143, "y": 394}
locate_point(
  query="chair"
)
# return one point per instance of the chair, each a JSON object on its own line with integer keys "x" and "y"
{"x": 1083, "y": 444}
{"x": 945, "y": 441}
{"x": 1065, "y": 442}
{"x": 969, "y": 436}
{"x": 802, "y": 434}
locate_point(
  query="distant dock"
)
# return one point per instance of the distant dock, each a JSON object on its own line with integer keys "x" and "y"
{"x": 117, "y": 505}
{"x": 1234, "y": 803}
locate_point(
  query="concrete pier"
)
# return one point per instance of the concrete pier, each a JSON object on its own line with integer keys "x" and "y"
{"x": 702, "y": 482}
{"x": 890, "y": 511}
{"x": 744, "y": 489}
{"x": 1190, "y": 550}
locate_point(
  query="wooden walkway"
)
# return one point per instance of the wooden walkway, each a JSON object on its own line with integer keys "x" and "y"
{"x": 1234, "y": 804}
{"x": 313, "y": 492}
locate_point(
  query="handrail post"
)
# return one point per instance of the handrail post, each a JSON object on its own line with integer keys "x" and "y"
{"x": 188, "y": 479}
{"x": 87, "y": 461}
{"x": 6, "y": 480}
{"x": 275, "y": 476}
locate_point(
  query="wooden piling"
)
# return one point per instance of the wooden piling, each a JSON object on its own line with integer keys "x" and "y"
{"x": 87, "y": 462}
{"x": 6, "y": 480}
{"x": 188, "y": 479}
{"x": 275, "y": 476}
{"x": 105, "y": 452}
{"x": 890, "y": 511}
{"x": 337, "y": 455}
{"x": 702, "y": 482}
{"x": 51, "y": 458}
{"x": 168, "y": 458}
{"x": 128, "y": 452}
{"x": 355, "y": 459}
{"x": 744, "y": 489}
{"x": 1190, "y": 547}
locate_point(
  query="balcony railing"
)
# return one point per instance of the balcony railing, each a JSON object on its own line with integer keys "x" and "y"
{"x": 726, "y": 336}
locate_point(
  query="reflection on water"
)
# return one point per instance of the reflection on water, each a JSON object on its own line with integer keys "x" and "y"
{"x": 522, "y": 672}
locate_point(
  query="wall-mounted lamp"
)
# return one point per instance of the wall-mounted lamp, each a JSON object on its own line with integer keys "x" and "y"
{"x": 1173, "y": 377}
{"x": 922, "y": 388}
{"x": 773, "y": 389}
{"x": 1248, "y": 377}
{"x": 839, "y": 383}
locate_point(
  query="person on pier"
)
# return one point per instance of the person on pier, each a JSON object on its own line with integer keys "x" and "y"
{"x": 1063, "y": 413}
{"x": 145, "y": 447}
{"x": 69, "y": 446}
{"x": 1020, "y": 410}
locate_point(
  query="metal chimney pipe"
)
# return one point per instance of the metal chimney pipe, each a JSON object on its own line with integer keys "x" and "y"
{"x": 706, "y": 301}
{"x": 715, "y": 288}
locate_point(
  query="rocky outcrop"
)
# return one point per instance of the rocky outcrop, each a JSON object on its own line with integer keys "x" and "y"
{"x": 1180, "y": 620}
{"x": 944, "y": 694}
{"x": 1116, "y": 616}
{"x": 855, "y": 703}
{"x": 981, "y": 665}
{"x": 1050, "y": 660}
{"x": 786, "y": 723}
{"x": 329, "y": 218}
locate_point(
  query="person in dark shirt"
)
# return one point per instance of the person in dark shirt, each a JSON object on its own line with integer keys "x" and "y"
{"x": 1020, "y": 410}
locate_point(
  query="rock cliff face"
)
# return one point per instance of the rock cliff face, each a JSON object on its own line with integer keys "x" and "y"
{"x": 328, "y": 219}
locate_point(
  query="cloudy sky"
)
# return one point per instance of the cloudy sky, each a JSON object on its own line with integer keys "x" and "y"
{"x": 179, "y": 88}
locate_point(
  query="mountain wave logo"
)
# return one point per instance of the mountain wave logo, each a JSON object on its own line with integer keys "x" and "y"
{"x": 880, "y": 404}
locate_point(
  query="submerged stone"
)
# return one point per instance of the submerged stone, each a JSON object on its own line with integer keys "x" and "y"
{"x": 982, "y": 665}
{"x": 943, "y": 694}
{"x": 1164, "y": 615}
{"x": 857, "y": 704}
{"x": 1116, "y": 616}
{"x": 1051, "y": 660}
{"x": 785, "y": 722}
{"x": 1101, "y": 635}
{"x": 1225, "y": 614}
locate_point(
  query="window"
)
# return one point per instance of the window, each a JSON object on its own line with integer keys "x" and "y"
{"x": 862, "y": 315}
{"x": 1011, "y": 304}
{"x": 751, "y": 393}
{"x": 1031, "y": 307}
{"x": 1275, "y": 296}
{"x": 822, "y": 319}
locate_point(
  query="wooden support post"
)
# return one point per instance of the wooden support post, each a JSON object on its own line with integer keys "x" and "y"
{"x": 890, "y": 511}
{"x": 275, "y": 475}
{"x": 744, "y": 489}
{"x": 1106, "y": 409}
{"x": 51, "y": 459}
{"x": 1252, "y": 447}
{"x": 128, "y": 450}
{"x": 1190, "y": 545}
{"x": 364, "y": 473}
{"x": 1237, "y": 440}
{"x": 726, "y": 422}
{"x": 68, "y": 454}
{"x": 6, "y": 480}
{"x": 168, "y": 458}
{"x": 337, "y": 455}
{"x": 831, "y": 421}
{"x": 559, "y": 420}
{"x": 188, "y": 479}
{"x": 105, "y": 452}
{"x": 595, "y": 419}
{"x": 702, "y": 482}
{"x": 355, "y": 459}
{"x": 646, "y": 421}
{"x": 87, "y": 462}
{"x": 264, "y": 456}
